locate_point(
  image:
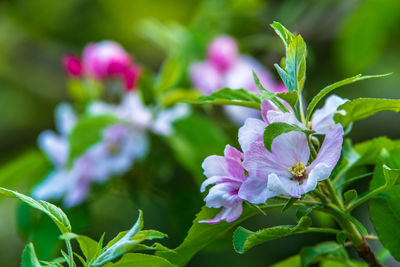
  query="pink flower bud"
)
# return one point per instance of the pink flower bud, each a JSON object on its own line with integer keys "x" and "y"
{"x": 72, "y": 65}
{"x": 130, "y": 77}
{"x": 104, "y": 59}
{"x": 222, "y": 52}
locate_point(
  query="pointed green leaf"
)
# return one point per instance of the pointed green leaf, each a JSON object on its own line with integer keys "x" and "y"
{"x": 330, "y": 250}
{"x": 244, "y": 239}
{"x": 290, "y": 97}
{"x": 289, "y": 204}
{"x": 335, "y": 85}
{"x": 296, "y": 63}
{"x": 275, "y": 129}
{"x": 283, "y": 33}
{"x": 226, "y": 96}
{"x": 361, "y": 108}
{"x": 391, "y": 176}
{"x": 170, "y": 74}
{"x": 55, "y": 213}
{"x": 350, "y": 196}
{"x": 29, "y": 258}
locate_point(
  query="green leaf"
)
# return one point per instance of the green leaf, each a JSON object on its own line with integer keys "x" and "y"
{"x": 350, "y": 218}
{"x": 170, "y": 74}
{"x": 275, "y": 129}
{"x": 290, "y": 97}
{"x": 202, "y": 234}
{"x": 335, "y": 85}
{"x": 370, "y": 150}
{"x": 29, "y": 258}
{"x": 384, "y": 207}
{"x": 391, "y": 176}
{"x": 142, "y": 260}
{"x": 361, "y": 108}
{"x": 296, "y": 63}
{"x": 226, "y": 96}
{"x": 348, "y": 263}
{"x": 244, "y": 239}
{"x": 55, "y": 213}
{"x": 283, "y": 33}
{"x": 87, "y": 132}
{"x": 341, "y": 238}
{"x": 330, "y": 250}
{"x": 303, "y": 211}
{"x": 89, "y": 247}
{"x": 293, "y": 261}
{"x": 173, "y": 97}
{"x": 350, "y": 196}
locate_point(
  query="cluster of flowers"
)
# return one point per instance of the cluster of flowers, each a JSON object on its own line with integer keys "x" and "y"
{"x": 257, "y": 174}
{"x": 225, "y": 67}
{"x": 121, "y": 143}
{"x": 103, "y": 60}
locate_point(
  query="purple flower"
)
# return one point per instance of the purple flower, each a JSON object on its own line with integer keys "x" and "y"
{"x": 285, "y": 170}
{"x": 322, "y": 120}
{"x": 228, "y": 175}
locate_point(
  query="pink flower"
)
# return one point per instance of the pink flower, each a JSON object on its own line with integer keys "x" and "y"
{"x": 228, "y": 175}
{"x": 322, "y": 120}
{"x": 104, "y": 59}
{"x": 206, "y": 78}
{"x": 130, "y": 77}
{"x": 285, "y": 170}
{"x": 72, "y": 65}
{"x": 222, "y": 53}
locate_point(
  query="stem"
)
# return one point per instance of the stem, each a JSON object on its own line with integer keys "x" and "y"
{"x": 366, "y": 197}
{"x": 70, "y": 253}
{"x": 303, "y": 119}
{"x": 363, "y": 248}
{"x": 312, "y": 148}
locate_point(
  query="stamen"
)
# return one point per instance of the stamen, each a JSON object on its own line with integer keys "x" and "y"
{"x": 298, "y": 170}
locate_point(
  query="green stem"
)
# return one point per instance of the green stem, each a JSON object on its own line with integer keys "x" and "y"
{"x": 365, "y": 198}
{"x": 321, "y": 230}
{"x": 301, "y": 109}
{"x": 71, "y": 262}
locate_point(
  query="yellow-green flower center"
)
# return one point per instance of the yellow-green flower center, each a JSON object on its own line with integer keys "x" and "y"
{"x": 298, "y": 170}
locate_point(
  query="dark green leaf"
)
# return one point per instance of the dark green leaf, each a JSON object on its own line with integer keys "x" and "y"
{"x": 350, "y": 196}
{"x": 303, "y": 211}
{"x": 335, "y": 85}
{"x": 275, "y": 129}
{"x": 29, "y": 258}
{"x": 330, "y": 250}
{"x": 384, "y": 209}
{"x": 361, "y": 108}
{"x": 226, "y": 96}
{"x": 290, "y": 97}
{"x": 289, "y": 204}
{"x": 341, "y": 238}
{"x": 244, "y": 239}
{"x": 87, "y": 132}
{"x": 55, "y": 213}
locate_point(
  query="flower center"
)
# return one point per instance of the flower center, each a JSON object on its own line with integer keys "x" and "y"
{"x": 298, "y": 170}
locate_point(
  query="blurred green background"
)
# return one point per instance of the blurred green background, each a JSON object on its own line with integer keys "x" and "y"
{"x": 344, "y": 38}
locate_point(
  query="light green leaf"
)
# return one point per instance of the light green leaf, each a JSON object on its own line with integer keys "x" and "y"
{"x": 29, "y": 258}
{"x": 55, "y": 213}
{"x": 170, "y": 74}
{"x": 173, "y": 97}
{"x": 348, "y": 263}
{"x": 283, "y": 33}
{"x": 296, "y": 63}
{"x": 370, "y": 150}
{"x": 384, "y": 207}
{"x": 284, "y": 77}
{"x": 293, "y": 261}
{"x": 290, "y": 97}
{"x": 87, "y": 132}
{"x": 244, "y": 239}
{"x": 89, "y": 247}
{"x": 142, "y": 260}
{"x": 391, "y": 176}
{"x": 335, "y": 85}
{"x": 226, "y": 96}
{"x": 361, "y": 108}
{"x": 275, "y": 129}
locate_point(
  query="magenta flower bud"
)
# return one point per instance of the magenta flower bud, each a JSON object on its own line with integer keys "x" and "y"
{"x": 131, "y": 76}
{"x": 104, "y": 59}
{"x": 223, "y": 52}
{"x": 72, "y": 65}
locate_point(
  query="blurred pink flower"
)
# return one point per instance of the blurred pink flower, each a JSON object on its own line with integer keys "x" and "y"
{"x": 72, "y": 65}
{"x": 222, "y": 53}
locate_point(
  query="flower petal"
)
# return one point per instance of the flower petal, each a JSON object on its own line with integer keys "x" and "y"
{"x": 239, "y": 114}
{"x": 55, "y": 147}
{"x": 222, "y": 195}
{"x": 228, "y": 214}
{"x": 250, "y": 132}
{"x": 53, "y": 186}
{"x": 329, "y": 152}
{"x": 322, "y": 120}
{"x": 284, "y": 186}
{"x": 255, "y": 191}
{"x": 319, "y": 173}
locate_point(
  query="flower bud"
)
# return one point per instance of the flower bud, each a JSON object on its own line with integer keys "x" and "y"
{"x": 104, "y": 59}
{"x": 222, "y": 52}
{"x": 72, "y": 65}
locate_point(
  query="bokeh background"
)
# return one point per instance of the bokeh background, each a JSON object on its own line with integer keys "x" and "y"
{"x": 344, "y": 38}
